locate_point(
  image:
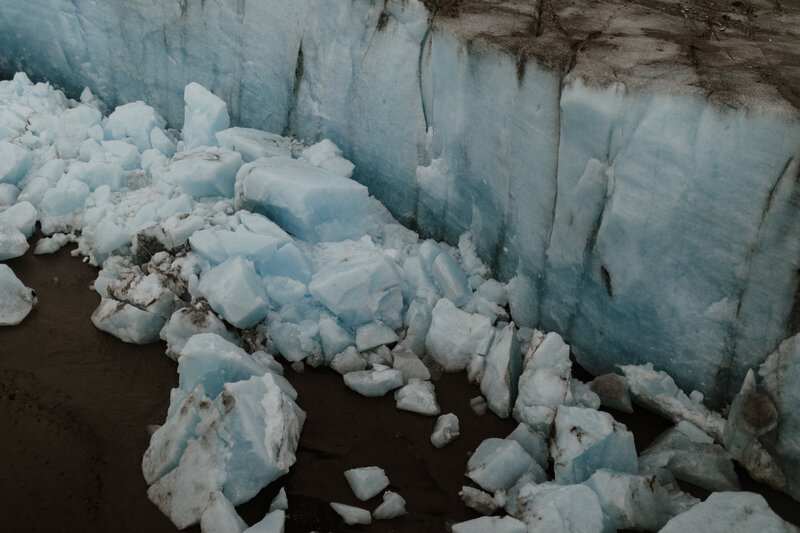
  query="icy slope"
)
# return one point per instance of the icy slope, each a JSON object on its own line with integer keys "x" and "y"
{"x": 633, "y": 165}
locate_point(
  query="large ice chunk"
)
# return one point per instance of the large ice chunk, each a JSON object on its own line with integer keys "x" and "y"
{"x": 204, "y": 115}
{"x": 455, "y": 336}
{"x": 203, "y": 172}
{"x": 629, "y": 501}
{"x": 498, "y": 463}
{"x": 657, "y": 391}
{"x": 558, "y": 509}
{"x": 234, "y": 290}
{"x": 307, "y": 201}
{"x": 692, "y": 456}
{"x": 544, "y": 383}
{"x": 587, "y": 440}
{"x": 134, "y": 123}
{"x": 254, "y": 144}
{"x": 211, "y": 361}
{"x": 367, "y": 481}
{"x": 16, "y": 300}
{"x": 15, "y": 161}
{"x": 127, "y": 322}
{"x": 501, "y": 374}
{"x": 376, "y": 382}
{"x": 730, "y": 512}
{"x": 361, "y": 291}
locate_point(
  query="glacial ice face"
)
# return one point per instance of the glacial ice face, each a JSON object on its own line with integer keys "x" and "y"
{"x": 643, "y": 224}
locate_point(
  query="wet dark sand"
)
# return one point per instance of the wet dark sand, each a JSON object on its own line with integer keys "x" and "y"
{"x": 75, "y": 404}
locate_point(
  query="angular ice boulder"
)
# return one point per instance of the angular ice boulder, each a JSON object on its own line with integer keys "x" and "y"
{"x": 446, "y": 273}
{"x": 502, "y": 371}
{"x": 188, "y": 321}
{"x": 418, "y": 397}
{"x": 730, "y": 512}
{"x": 445, "y": 431}
{"x": 325, "y": 154}
{"x": 16, "y": 300}
{"x": 393, "y": 506}
{"x": 367, "y": 481}
{"x": 118, "y": 153}
{"x": 587, "y": 440}
{"x": 629, "y": 501}
{"x": 211, "y": 361}
{"x": 96, "y": 174}
{"x": 217, "y": 245}
{"x": 204, "y": 115}
{"x": 409, "y": 364}
{"x": 491, "y": 524}
{"x": 544, "y": 383}
{"x": 127, "y": 322}
{"x": 751, "y": 415}
{"x": 265, "y": 424}
{"x": 305, "y": 200}
{"x": 64, "y": 198}
{"x": 551, "y": 508}
{"x": 532, "y": 442}
{"x": 498, "y": 463}
{"x": 12, "y": 243}
{"x": 374, "y": 334}
{"x": 780, "y": 380}
{"x": 455, "y": 336}
{"x": 280, "y": 501}
{"x": 657, "y": 391}
{"x": 374, "y": 383}
{"x": 134, "y": 123}
{"x": 349, "y": 361}
{"x": 352, "y": 515}
{"x": 691, "y": 456}
{"x": 254, "y": 144}
{"x": 361, "y": 291}
{"x": 15, "y": 160}
{"x": 333, "y": 337}
{"x": 613, "y": 392}
{"x": 203, "y": 172}
{"x": 234, "y": 290}
{"x": 21, "y": 217}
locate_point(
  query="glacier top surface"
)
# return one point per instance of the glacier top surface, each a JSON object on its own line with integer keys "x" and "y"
{"x": 739, "y": 53}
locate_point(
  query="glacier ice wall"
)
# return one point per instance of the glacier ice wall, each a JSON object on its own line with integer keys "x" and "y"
{"x": 653, "y": 217}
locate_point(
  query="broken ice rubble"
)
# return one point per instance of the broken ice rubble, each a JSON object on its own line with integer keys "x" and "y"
{"x": 217, "y": 238}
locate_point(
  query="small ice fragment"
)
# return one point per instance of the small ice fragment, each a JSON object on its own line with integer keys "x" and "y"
{"x": 254, "y": 144}
{"x": 409, "y": 364}
{"x": 280, "y": 501}
{"x": 52, "y": 244}
{"x": 188, "y": 321}
{"x": 367, "y": 481}
{"x": 352, "y": 515}
{"x": 478, "y": 405}
{"x": 325, "y": 154}
{"x": 445, "y": 431}
{"x": 393, "y": 506}
{"x": 348, "y": 361}
{"x": 418, "y": 397}
{"x": 480, "y": 501}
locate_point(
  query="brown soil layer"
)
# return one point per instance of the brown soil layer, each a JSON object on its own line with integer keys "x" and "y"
{"x": 76, "y": 403}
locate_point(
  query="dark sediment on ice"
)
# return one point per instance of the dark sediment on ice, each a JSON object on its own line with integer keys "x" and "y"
{"x": 76, "y": 403}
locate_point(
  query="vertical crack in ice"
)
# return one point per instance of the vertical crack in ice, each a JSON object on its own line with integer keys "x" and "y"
{"x": 425, "y": 40}
{"x": 725, "y": 374}
{"x": 298, "y": 77}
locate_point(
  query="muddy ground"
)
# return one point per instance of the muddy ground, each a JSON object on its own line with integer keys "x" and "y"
{"x": 76, "y": 403}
